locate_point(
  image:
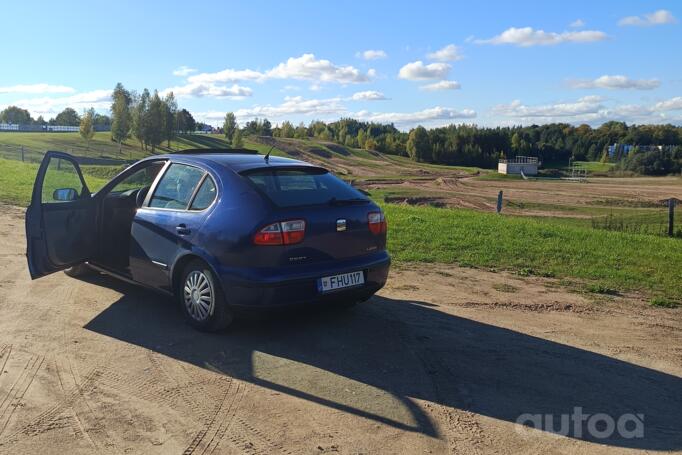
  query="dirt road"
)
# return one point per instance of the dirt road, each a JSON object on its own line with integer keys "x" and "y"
{"x": 444, "y": 360}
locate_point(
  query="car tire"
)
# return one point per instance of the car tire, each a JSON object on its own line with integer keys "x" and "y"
{"x": 78, "y": 270}
{"x": 202, "y": 299}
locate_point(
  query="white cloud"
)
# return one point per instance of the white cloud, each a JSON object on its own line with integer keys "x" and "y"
{"x": 369, "y": 95}
{"x": 294, "y": 105}
{"x": 48, "y": 106}
{"x": 449, "y": 53}
{"x": 36, "y": 89}
{"x": 372, "y": 54}
{"x": 578, "y": 23}
{"x": 527, "y": 36}
{"x": 659, "y": 17}
{"x": 408, "y": 119}
{"x": 441, "y": 85}
{"x": 672, "y": 104}
{"x": 616, "y": 82}
{"x": 307, "y": 67}
{"x": 210, "y": 117}
{"x": 592, "y": 110}
{"x": 199, "y": 90}
{"x": 183, "y": 71}
{"x": 228, "y": 75}
{"x": 416, "y": 71}
{"x": 584, "y": 105}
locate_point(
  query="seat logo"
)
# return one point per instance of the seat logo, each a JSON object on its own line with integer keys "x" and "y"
{"x": 340, "y": 225}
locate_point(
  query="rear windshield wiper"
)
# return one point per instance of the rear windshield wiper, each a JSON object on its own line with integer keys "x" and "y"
{"x": 355, "y": 200}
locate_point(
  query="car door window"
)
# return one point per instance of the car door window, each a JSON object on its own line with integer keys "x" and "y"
{"x": 176, "y": 187}
{"x": 142, "y": 178}
{"x": 205, "y": 195}
{"x": 62, "y": 182}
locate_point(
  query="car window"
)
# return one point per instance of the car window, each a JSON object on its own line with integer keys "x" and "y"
{"x": 61, "y": 175}
{"x": 292, "y": 187}
{"x": 205, "y": 195}
{"x": 176, "y": 187}
{"x": 142, "y": 178}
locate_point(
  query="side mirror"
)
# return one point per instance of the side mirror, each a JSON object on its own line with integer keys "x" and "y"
{"x": 65, "y": 194}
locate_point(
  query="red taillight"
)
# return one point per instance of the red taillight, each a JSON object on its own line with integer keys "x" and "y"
{"x": 282, "y": 233}
{"x": 377, "y": 222}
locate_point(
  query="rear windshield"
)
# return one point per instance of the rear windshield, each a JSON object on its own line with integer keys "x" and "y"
{"x": 292, "y": 187}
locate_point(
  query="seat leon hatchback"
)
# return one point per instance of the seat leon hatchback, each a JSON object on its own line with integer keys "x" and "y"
{"x": 219, "y": 230}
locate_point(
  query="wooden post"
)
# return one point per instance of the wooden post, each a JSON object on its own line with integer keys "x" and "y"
{"x": 499, "y": 202}
{"x": 22, "y": 153}
{"x": 671, "y": 216}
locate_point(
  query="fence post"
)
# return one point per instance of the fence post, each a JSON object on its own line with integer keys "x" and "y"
{"x": 499, "y": 202}
{"x": 671, "y": 216}
{"x": 22, "y": 153}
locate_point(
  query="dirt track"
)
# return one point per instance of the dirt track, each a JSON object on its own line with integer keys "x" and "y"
{"x": 444, "y": 360}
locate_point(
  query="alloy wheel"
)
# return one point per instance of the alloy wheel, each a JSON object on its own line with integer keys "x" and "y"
{"x": 199, "y": 296}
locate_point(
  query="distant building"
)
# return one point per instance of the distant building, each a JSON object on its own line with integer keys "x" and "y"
{"x": 528, "y": 165}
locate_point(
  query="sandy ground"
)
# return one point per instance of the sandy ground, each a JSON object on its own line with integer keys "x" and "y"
{"x": 468, "y": 192}
{"x": 444, "y": 360}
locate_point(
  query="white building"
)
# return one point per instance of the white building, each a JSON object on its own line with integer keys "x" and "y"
{"x": 526, "y": 165}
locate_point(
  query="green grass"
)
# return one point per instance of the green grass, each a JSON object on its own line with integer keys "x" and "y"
{"x": 595, "y": 166}
{"x": 498, "y": 176}
{"x": 662, "y": 302}
{"x": 614, "y": 260}
{"x": 101, "y": 146}
{"x": 17, "y": 178}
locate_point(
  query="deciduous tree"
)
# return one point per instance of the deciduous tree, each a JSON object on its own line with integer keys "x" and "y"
{"x": 87, "y": 126}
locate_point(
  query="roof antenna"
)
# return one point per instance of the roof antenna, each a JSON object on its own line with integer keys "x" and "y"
{"x": 267, "y": 155}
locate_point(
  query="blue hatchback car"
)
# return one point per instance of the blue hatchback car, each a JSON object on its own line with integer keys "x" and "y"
{"x": 221, "y": 230}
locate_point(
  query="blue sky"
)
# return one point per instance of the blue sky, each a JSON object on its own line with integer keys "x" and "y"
{"x": 433, "y": 63}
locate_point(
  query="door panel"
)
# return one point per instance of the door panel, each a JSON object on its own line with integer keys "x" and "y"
{"x": 158, "y": 237}
{"x": 60, "y": 222}
{"x": 165, "y": 226}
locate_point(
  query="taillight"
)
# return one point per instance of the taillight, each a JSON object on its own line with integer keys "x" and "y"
{"x": 377, "y": 222}
{"x": 281, "y": 233}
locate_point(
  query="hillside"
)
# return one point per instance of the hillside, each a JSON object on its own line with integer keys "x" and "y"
{"x": 630, "y": 204}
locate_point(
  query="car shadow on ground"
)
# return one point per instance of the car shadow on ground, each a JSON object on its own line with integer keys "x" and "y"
{"x": 404, "y": 351}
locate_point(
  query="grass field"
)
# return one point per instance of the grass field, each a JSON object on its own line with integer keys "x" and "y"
{"x": 16, "y": 181}
{"x": 534, "y": 246}
{"x": 101, "y": 146}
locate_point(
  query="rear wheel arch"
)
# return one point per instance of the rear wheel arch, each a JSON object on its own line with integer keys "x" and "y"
{"x": 221, "y": 316}
{"x": 180, "y": 265}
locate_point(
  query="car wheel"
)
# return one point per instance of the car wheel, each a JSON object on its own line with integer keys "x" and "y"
{"x": 78, "y": 270}
{"x": 202, "y": 299}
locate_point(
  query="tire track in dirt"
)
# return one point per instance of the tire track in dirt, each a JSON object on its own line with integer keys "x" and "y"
{"x": 50, "y": 418}
{"x": 5, "y": 352}
{"x": 16, "y": 393}
{"x": 191, "y": 385}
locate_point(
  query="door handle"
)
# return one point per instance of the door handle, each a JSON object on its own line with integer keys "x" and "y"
{"x": 182, "y": 229}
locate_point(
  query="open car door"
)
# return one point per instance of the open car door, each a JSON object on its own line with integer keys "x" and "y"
{"x": 60, "y": 222}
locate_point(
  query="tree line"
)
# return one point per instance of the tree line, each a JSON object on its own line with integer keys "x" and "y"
{"x": 152, "y": 119}
{"x": 67, "y": 117}
{"x": 147, "y": 117}
{"x": 471, "y": 145}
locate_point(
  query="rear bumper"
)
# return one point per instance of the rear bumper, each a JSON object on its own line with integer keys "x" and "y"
{"x": 264, "y": 289}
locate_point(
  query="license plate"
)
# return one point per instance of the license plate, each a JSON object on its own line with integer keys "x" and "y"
{"x": 343, "y": 280}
